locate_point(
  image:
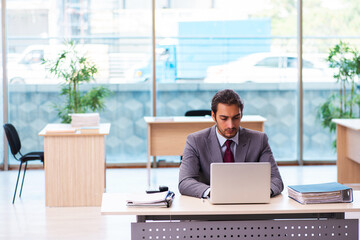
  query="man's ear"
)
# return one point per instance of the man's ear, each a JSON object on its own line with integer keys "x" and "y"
{"x": 213, "y": 116}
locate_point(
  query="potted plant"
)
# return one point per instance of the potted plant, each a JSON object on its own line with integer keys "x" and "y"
{"x": 346, "y": 62}
{"x": 74, "y": 68}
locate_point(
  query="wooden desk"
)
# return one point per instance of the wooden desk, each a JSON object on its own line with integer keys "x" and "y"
{"x": 264, "y": 219}
{"x": 348, "y": 150}
{"x": 74, "y": 167}
{"x": 167, "y": 135}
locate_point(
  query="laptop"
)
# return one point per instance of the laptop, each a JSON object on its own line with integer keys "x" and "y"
{"x": 236, "y": 183}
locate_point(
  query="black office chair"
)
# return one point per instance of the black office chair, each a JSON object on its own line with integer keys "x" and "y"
{"x": 15, "y": 146}
{"x": 198, "y": 113}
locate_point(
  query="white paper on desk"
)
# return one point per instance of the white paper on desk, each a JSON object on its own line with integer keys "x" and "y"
{"x": 147, "y": 198}
{"x": 60, "y": 129}
{"x": 164, "y": 119}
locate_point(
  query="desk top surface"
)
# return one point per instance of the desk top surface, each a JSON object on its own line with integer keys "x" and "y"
{"x": 104, "y": 129}
{"x": 182, "y": 119}
{"x": 115, "y": 204}
{"x": 349, "y": 123}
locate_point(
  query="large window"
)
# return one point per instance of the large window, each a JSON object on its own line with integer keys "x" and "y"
{"x": 201, "y": 46}
{"x": 211, "y": 45}
{"x": 325, "y": 24}
{"x": 1, "y": 100}
{"x": 117, "y": 38}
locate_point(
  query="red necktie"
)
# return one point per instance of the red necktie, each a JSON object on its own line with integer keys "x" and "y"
{"x": 228, "y": 156}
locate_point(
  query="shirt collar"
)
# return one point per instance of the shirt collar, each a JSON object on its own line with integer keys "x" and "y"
{"x": 222, "y": 139}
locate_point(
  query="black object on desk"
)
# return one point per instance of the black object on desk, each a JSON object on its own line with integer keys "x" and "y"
{"x": 160, "y": 199}
{"x": 161, "y": 189}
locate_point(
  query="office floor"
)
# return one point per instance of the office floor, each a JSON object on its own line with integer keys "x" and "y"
{"x": 29, "y": 219}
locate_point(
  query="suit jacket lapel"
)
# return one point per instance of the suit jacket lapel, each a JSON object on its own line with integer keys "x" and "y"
{"x": 213, "y": 146}
{"x": 242, "y": 147}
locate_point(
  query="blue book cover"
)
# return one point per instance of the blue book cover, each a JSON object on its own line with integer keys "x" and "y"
{"x": 322, "y": 187}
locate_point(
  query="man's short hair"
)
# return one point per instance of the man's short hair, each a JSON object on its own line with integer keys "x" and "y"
{"x": 228, "y": 97}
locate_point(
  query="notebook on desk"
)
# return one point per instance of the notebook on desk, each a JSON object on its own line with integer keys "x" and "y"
{"x": 236, "y": 183}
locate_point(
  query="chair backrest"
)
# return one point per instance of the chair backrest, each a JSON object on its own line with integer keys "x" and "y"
{"x": 13, "y": 138}
{"x": 198, "y": 113}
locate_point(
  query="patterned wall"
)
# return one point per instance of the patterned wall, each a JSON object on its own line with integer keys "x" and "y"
{"x": 30, "y": 109}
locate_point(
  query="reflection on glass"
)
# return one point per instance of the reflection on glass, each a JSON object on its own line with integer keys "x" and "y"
{"x": 115, "y": 35}
{"x": 1, "y": 99}
{"x": 317, "y": 41}
{"x": 201, "y": 46}
{"x": 213, "y": 46}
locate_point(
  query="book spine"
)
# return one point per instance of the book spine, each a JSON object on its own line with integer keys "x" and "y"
{"x": 347, "y": 195}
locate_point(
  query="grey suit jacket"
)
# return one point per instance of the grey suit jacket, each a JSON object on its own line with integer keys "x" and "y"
{"x": 202, "y": 148}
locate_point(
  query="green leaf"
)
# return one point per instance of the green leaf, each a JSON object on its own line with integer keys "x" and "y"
{"x": 75, "y": 69}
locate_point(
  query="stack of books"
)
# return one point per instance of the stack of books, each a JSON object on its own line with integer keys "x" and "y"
{"x": 161, "y": 199}
{"x": 86, "y": 122}
{"x": 332, "y": 192}
{"x": 60, "y": 129}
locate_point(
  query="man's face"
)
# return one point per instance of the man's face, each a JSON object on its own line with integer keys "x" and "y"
{"x": 227, "y": 119}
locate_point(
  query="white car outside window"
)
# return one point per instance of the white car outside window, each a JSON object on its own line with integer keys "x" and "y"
{"x": 28, "y": 67}
{"x": 270, "y": 68}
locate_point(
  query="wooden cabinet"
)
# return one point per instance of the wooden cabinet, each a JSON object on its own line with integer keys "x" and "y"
{"x": 74, "y": 167}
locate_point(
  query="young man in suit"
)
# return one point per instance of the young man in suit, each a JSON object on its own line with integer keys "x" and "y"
{"x": 226, "y": 141}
